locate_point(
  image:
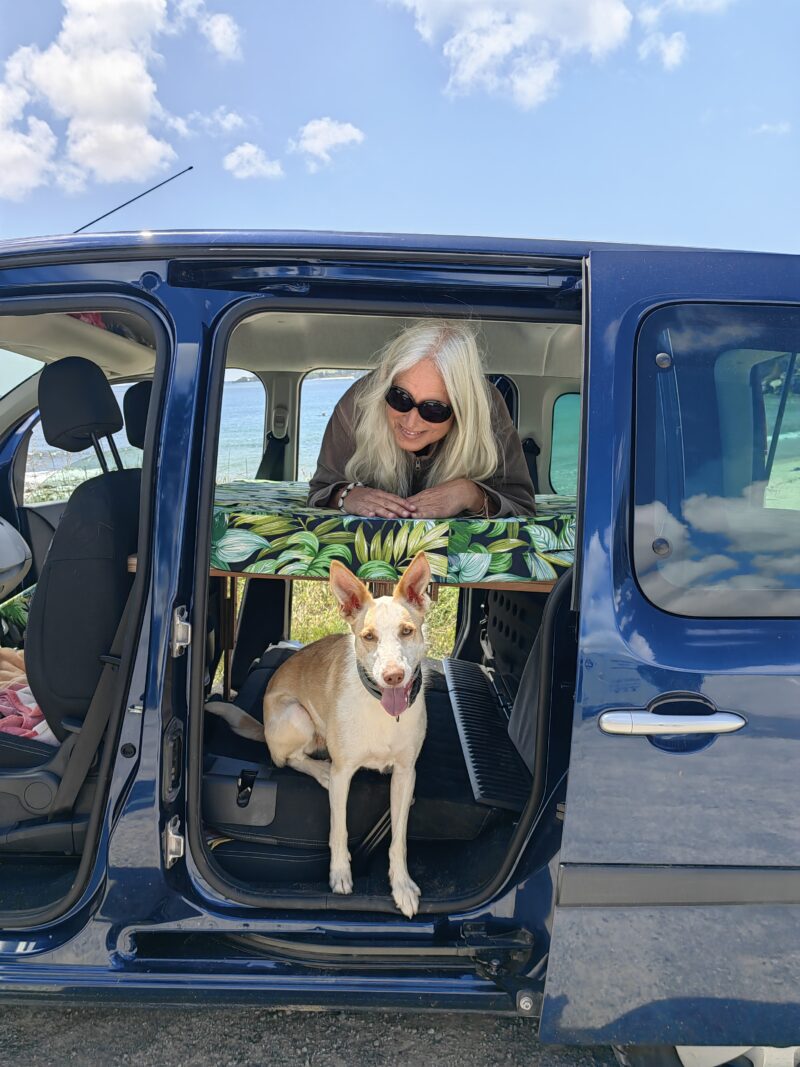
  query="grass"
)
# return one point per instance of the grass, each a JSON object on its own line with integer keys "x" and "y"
{"x": 314, "y": 614}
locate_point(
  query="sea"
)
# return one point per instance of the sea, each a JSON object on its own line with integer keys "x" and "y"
{"x": 243, "y": 430}
{"x": 240, "y": 448}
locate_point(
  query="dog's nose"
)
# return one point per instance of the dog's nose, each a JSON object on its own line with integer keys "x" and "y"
{"x": 393, "y": 677}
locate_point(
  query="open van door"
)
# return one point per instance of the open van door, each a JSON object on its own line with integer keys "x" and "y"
{"x": 678, "y": 902}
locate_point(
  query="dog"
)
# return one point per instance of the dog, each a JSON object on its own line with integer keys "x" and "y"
{"x": 359, "y": 698}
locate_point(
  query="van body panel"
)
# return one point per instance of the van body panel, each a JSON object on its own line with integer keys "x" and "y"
{"x": 695, "y": 848}
{"x": 629, "y": 650}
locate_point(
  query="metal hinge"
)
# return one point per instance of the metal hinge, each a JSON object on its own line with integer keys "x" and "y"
{"x": 174, "y": 844}
{"x": 181, "y": 631}
{"x": 503, "y": 959}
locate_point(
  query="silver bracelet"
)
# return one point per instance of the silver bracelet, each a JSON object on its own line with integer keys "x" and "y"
{"x": 345, "y": 491}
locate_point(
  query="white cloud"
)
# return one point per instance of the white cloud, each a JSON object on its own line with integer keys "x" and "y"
{"x": 96, "y": 78}
{"x": 103, "y": 150}
{"x": 774, "y": 129}
{"x": 517, "y": 47}
{"x": 219, "y": 122}
{"x": 650, "y": 14}
{"x": 225, "y": 120}
{"x": 319, "y": 137}
{"x": 534, "y": 80}
{"x": 26, "y": 158}
{"x": 222, "y": 34}
{"x": 670, "y": 49}
{"x": 247, "y": 160}
{"x": 220, "y": 31}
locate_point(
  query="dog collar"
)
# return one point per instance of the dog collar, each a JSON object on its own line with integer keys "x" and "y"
{"x": 375, "y": 690}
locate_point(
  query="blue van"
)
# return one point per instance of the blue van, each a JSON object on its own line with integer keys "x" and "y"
{"x": 604, "y": 828}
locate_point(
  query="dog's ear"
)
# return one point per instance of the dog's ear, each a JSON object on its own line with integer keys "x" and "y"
{"x": 351, "y": 593}
{"x": 416, "y": 579}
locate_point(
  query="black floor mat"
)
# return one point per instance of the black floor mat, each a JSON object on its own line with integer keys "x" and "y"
{"x": 442, "y": 870}
{"x": 31, "y": 882}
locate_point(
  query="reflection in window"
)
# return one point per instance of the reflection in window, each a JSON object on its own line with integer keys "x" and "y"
{"x": 777, "y": 392}
{"x": 717, "y": 508}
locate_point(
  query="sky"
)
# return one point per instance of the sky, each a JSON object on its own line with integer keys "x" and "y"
{"x": 655, "y": 121}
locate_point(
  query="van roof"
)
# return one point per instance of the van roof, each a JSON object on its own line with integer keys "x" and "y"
{"x": 171, "y": 243}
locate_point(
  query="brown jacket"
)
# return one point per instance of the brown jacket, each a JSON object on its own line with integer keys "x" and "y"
{"x": 509, "y": 487}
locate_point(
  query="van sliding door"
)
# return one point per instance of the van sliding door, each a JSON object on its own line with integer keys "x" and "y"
{"x": 678, "y": 907}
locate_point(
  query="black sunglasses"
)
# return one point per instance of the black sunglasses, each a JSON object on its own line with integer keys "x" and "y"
{"x": 429, "y": 410}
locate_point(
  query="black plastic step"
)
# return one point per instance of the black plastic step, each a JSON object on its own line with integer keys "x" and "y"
{"x": 497, "y": 774}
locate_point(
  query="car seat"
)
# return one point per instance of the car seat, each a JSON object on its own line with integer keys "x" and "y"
{"x": 135, "y": 406}
{"x": 75, "y": 612}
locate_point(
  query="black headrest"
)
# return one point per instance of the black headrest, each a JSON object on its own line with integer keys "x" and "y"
{"x": 75, "y": 401}
{"x": 135, "y": 404}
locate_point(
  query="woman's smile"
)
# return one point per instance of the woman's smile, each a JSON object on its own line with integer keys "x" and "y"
{"x": 412, "y": 435}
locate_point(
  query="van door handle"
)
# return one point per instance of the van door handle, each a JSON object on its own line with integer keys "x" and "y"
{"x": 652, "y": 724}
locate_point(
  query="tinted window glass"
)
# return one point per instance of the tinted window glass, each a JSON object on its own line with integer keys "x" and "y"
{"x": 14, "y": 369}
{"x": 565, "y": 444}
{"x": 717, "y": 495}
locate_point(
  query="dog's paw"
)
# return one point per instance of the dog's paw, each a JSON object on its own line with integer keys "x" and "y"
{"x": 324, "y": 773}
{"x": 341, "y": 880}
{"x": 405, "y": 893}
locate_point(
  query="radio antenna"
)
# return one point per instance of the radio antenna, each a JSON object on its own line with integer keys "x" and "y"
{"x": 139, "y": 197}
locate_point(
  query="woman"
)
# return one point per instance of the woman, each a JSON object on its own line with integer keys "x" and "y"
{"x": 423, "y": 435}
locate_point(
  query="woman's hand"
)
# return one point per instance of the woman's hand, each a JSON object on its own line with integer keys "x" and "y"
{"x": 374, "y": 503}
{"x": 448, "y": 499}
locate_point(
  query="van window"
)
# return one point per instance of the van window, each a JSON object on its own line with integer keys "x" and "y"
{"x": 717, "y": 460}
{"x": 15, "y": 369}
{"x": 564, "y": 446}
{"x": 320, "y": 392}
{"x": 241, "y": 434}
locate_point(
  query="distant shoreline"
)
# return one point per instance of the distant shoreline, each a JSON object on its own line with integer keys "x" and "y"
{"x": 321, "y": 378}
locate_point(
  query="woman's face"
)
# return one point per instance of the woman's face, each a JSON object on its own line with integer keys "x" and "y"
{"x": 423, "y": 382}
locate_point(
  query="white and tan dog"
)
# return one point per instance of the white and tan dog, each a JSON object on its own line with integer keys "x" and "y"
{"x": 360, "y": 697}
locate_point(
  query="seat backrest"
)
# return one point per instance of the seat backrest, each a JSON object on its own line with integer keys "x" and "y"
{"x": 84, "y": 583}
{"x": 508, "y": 390}
{"x": 135, "y": 405}
{"x": 549, "y": 671}
{"x": 512, "y": 623}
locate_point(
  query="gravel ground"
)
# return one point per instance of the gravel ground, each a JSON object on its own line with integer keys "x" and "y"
{"x": 46, "y": 1037}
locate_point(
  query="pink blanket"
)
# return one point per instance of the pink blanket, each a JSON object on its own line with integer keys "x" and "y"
{"x": 20, "y": 714}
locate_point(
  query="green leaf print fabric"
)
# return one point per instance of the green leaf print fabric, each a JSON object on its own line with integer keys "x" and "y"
{"x": 262, "y": 527}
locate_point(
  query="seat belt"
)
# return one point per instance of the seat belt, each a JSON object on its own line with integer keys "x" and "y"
{"x": 271, "y": 466}
{"x": 93, "y": 726}
{"x": 532, "y": 450}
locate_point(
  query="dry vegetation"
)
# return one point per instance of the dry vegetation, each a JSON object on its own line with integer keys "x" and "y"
{"x": 314, "y": 614}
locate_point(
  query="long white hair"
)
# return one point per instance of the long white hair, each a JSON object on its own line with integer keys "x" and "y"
{"x": 468, "y": 450}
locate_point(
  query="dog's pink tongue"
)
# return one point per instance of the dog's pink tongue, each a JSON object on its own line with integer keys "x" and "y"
{"x": 395, "y": 700}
